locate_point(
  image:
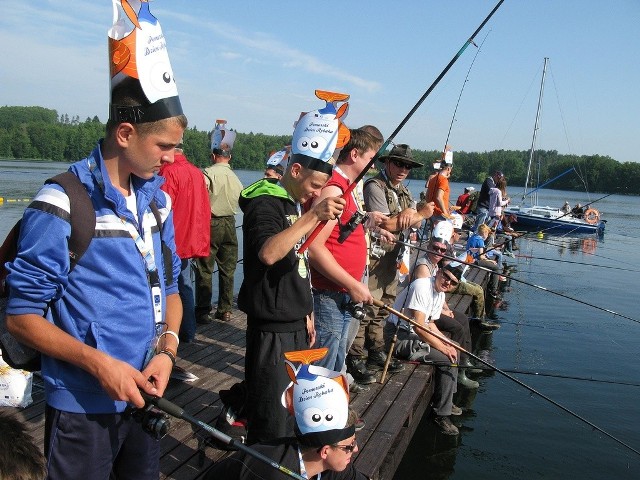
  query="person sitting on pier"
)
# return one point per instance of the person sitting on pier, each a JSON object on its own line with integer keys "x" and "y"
{"x": 476, "y": 250}
{"x": 322, "y": 448}
{"x": 423, "y": 301}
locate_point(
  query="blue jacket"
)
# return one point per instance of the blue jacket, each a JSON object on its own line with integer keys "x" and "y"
{"x": 106, "y": 301}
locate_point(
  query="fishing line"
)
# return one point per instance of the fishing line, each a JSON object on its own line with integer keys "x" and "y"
{"x": 454, "y": 259}
{"x": 532, "y": 257}
{"x": 389, "y": 140}
{"x": 537, "y": 374}
{"x": 504, "y": 373}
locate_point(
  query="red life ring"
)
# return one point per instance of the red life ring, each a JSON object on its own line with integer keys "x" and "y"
{"x": 592, "y": 216}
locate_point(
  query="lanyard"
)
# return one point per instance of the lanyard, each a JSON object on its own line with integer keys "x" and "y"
{"x": 147, "y": 253}
{"x": 303, "y": 470}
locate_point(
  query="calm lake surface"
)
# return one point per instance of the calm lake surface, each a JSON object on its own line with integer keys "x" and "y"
{"x": 506, "y": 431}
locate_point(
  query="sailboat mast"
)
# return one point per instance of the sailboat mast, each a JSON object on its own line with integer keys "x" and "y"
{"x": 535, "y": 128}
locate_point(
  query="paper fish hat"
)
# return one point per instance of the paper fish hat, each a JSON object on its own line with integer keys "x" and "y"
{"x": 442, "y": 232}
{"x": 318, "y": 398}
{"x": 222, "y": 140}
{"x": 279, "y": 160}
{"x": 138, "y": 53}
{"x": 446, "y": 160}
{"x": 318, "y": 133}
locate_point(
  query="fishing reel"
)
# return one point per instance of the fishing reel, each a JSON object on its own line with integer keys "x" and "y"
{"x": 356, "y": 310}
{"x": 347, "y": 229}
{"x": 153, "y": 421}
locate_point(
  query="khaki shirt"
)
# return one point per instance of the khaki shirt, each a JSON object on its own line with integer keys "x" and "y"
{"x": 224, "y": 189}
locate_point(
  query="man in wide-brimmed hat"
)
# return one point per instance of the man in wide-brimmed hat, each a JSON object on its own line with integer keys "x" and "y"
{"x": 387, "y": 194}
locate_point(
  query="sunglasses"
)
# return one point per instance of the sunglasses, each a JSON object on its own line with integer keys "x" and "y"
{"x": 401, "y": 164}
{"x": 439, "y": 249}
{"x": 449, "y": 280}
{"x": 347, "y": 448}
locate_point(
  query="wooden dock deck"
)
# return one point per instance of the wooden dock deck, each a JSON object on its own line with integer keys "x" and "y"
{"x": 391, "y": 411}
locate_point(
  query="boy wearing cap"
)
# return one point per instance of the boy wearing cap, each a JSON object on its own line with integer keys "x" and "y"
{"x": 323, "y": 445}
{"x": 276, "y": 291}
{"x": 423, "y": 301}
{"x": 110, "y": 327}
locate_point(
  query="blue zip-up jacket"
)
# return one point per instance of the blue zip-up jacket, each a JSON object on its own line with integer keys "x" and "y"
{"x": 106, "y": 300}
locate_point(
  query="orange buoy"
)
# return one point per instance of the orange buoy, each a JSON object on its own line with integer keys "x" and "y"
{"x": 592, "y": 216}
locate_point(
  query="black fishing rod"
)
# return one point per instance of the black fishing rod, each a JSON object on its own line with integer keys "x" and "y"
{"x": 576, "y": 263}
{"x": 384, "y": 146}
{"x": 534, "y": 373}
{"x": 178, "y": 412}
{"x": 449, "y": 342}
{"x": 454, "y": 259}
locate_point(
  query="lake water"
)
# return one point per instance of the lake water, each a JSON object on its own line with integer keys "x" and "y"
{"x": 506, "y": 431}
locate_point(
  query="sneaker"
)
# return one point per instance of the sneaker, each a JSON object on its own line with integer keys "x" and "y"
{"x": 445, "y": 425}
{"x": 359, "y": 423}
{"x": 455, "y": 410}
{"x": 509, "y": 254}
{"x": 377, "y": 359}
{"x": 225, "y": 317}
{"x": 358, "y": 370}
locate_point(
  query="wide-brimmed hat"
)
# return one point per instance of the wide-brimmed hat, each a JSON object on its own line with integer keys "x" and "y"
{"x": 401, "y": 152}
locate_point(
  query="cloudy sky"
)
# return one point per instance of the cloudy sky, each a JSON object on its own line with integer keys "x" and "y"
{"x": 258, "y": 63}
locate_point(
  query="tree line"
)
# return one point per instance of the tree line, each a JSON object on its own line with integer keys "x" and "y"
{"x": 40, "y": 133}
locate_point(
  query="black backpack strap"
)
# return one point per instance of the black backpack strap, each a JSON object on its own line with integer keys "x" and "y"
{"x": 83, "y": 215}
{"x": 167, "y": 256}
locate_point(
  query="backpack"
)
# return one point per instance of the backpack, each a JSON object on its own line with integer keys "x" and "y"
{"x": 473, "y": 198}
{"x": 83, "y": 224}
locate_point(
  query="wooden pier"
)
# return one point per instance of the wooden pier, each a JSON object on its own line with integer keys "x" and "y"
{"x": 391, "y": 411}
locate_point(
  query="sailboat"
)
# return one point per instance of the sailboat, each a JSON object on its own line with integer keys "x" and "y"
{"x": 536, "y": 217}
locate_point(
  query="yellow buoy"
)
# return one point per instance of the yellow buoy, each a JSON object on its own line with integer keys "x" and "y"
{"x": 540, "y": 235}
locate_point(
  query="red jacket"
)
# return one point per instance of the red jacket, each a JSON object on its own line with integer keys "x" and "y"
{"x": 190, "y": 204}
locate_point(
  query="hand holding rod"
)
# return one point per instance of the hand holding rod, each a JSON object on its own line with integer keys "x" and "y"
{"x": 444, "y": 339}
{"x": 176, "y": 411}
{"x": 384, "y": 146}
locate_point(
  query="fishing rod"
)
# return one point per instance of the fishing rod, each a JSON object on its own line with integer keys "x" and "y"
{"x": 534, "y": 373}
{"x": 466, "y": 79}
{"x": 384, "y": 146}
{"x": 449, "y": 342}
{"x": 577, "y": 263}
{"x": 178, "y": 412}
{"x": 549, "y": 181}
{"x": 454, "y": 259}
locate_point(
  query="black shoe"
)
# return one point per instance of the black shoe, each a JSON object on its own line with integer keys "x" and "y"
{"x": 204, "y": 320}
{"x": 445, "y": 425}
{"x": 358, "y": 370}
{"x": 493, "y": 316}
{"x": 377, "y": 359}
{"x": 356, "y": 387}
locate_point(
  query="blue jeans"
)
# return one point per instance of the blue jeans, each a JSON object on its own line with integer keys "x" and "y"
{"x": 332, "y": 322}
{"x": 185, "y": 288}
{"x": 482, "y": 215}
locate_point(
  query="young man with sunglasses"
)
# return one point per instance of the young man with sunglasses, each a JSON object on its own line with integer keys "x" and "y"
{"x": 423, "y": 301}
{"x": 387, "y": 194}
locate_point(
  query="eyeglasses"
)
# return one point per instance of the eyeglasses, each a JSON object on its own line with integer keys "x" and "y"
{"x": 347, "y": 448}
{"x": 401, "y": 164}
{"x": 449, "y": 280}
{"x": 439, "y": 249}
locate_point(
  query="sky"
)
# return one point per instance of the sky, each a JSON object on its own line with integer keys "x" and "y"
{"x": 257, "y": 64}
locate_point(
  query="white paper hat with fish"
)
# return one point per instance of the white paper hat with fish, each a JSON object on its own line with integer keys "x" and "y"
{"x": 318, "y": 398}
{"x": 279, "y": 160}
{"x": 446, "y": 160}
{"x": 222, "y": 139}
{"x": 138, "y": 55}
{"x": 318, "y": 133}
